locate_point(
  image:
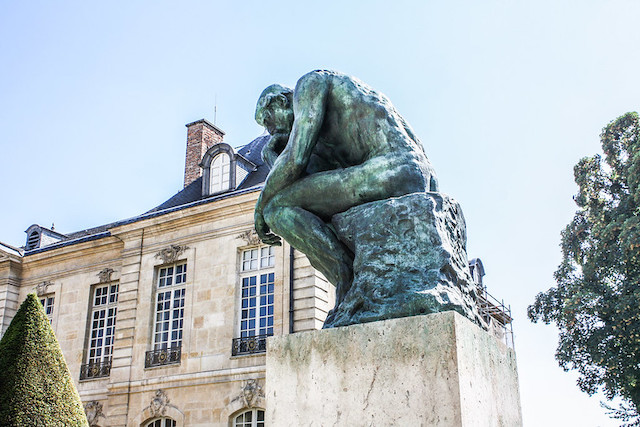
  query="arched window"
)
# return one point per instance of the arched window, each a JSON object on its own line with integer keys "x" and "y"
{"x": 250, "y": 418}
{"x": 219, "y": 174}
{"x": 33, "y": 241}
{"x": 161, "y": 422}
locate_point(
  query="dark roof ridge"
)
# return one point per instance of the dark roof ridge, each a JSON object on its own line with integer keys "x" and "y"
{"x": 150, "y": 214}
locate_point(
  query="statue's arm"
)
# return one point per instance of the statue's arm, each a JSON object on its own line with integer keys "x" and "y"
{"x": 273, "y": 148}
{"x": 308, "y": 106}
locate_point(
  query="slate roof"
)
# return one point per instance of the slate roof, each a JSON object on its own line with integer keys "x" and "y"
{"x": 189, "y": 196}
{"x": 253, "y": 152}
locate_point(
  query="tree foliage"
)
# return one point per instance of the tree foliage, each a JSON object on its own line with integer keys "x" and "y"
{"x": 596, "y": 303}
{"x": 35, "y": 386}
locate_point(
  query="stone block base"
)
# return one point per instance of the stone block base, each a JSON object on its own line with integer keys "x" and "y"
{"x": 410, "y": 259}
{"x": 438, "y": 369}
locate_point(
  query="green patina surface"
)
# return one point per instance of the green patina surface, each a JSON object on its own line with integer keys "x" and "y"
{"x": 335, "y": 144}
{"x": 35, "y": 386}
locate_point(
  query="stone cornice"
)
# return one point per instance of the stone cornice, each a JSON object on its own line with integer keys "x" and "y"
{"x": 244, "y": 203}
{"x": 197, "y": 378}
{"x": 61, "y": 275}
{"x": 71, "y": 251}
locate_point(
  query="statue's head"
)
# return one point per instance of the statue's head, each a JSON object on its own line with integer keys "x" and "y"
{"x": 275, "y": 109}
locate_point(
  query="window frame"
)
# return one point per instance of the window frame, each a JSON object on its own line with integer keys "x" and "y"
{"x": 33, "y": 240}
{"x": 44, "y": 300}
{"x": 150, "y": 423}
{"x": 254, "y": 422}
{"x": 176, "y": 291}
{"x": 95, "y": 367}
{"x": 263, "y": 290}
{"x": 235, "y": 162}
{"x": 166, "y": 343}
{"x": 219, "y": 180}
{"x": 255, "y": 303}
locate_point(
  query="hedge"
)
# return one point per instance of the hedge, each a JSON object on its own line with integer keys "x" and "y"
{"x": 36, "y": 388}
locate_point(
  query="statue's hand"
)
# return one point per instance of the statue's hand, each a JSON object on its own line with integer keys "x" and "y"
{"x": 264, "y": 232}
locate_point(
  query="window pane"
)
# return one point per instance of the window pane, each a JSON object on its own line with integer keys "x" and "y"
{"x": 169, "y": 306}
{"x": 104, "y": 311}
{"x": 47, "y": 303}
{"x": 219, "y": 175}
{"x": 257, "y": 290}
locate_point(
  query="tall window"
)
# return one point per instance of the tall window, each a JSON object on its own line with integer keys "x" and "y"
{"x": 219, "y": 175}
{"x": 250, "y": 418}
{"x": 103, "y": 323}
{"x": 170, "y": 306}
{"x": 256, "y": 317}
{"x": 169, "y": 315}
{"x": 47, "y": 302}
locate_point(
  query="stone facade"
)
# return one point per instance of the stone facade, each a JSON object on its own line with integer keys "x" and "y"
{"x": 207, "y": 385}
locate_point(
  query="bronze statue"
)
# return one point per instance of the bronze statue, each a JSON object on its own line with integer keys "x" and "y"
{"x": 335, "y": 144}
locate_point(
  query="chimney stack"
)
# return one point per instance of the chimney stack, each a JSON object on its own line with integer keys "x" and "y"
{"x": 201, "y": 135}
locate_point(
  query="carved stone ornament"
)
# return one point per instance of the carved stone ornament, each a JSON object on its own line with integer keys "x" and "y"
{"x": 41, "y": 288}
{"x": 171, "y": 253}
{"x": 250, "y": 393}
{"x": 159, "y": 403}
{"x": 249, "y": 236}
{"x": 93, "y": 410}
{"x": 105, "y": 275}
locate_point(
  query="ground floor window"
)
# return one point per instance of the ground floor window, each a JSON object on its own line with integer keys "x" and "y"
{"x": 256, "y": 301}
{"x": 102, "y": 331}
{"x": 162, "y": 422}
{"x": 257, "y": 305}
{"x": 250, "y": 418}
{"x": 169, "y": 315}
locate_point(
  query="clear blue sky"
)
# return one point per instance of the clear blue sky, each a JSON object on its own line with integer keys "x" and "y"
{"x": 506, "y": 96}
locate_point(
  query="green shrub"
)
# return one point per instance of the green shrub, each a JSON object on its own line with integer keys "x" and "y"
{"x": 36, "y": 388}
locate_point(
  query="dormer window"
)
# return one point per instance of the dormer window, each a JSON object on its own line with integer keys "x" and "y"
{"x": 223, "y": 169}
{"x": 33, "y": 240}
{"x": 38, "y": 237}
{"x": 220, "y": 173}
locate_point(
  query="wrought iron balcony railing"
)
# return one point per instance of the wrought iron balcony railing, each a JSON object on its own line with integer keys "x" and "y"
{"x": 165, "y": 356}
{"x": 249, "y": 345}
{"x": 95, "y": 370}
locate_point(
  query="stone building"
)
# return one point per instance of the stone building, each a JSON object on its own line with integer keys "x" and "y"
{"x": 162, "y": 318}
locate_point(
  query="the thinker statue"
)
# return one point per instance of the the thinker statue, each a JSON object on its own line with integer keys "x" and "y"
{"x": 335, "y": 144}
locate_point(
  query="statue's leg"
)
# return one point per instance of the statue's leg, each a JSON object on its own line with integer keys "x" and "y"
{"x": 327, "y": 193}
{"x": 300, "y": 212}
{"x": 311, "y": 235}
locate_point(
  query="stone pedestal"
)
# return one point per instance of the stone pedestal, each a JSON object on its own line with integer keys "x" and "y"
{"x": 437, "y": 369}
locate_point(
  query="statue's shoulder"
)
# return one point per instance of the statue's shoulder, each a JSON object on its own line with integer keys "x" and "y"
{"x": 322, "y": 75}
{"x": 315, "y": 79}
{"x": 327, "y": 72}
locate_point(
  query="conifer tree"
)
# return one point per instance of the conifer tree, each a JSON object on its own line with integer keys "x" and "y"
{"x": 35, "y": 386}
{"x": 596, "y": 303}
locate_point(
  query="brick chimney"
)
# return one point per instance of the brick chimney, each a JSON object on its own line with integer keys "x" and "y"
{"x": 201, "y": 135}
